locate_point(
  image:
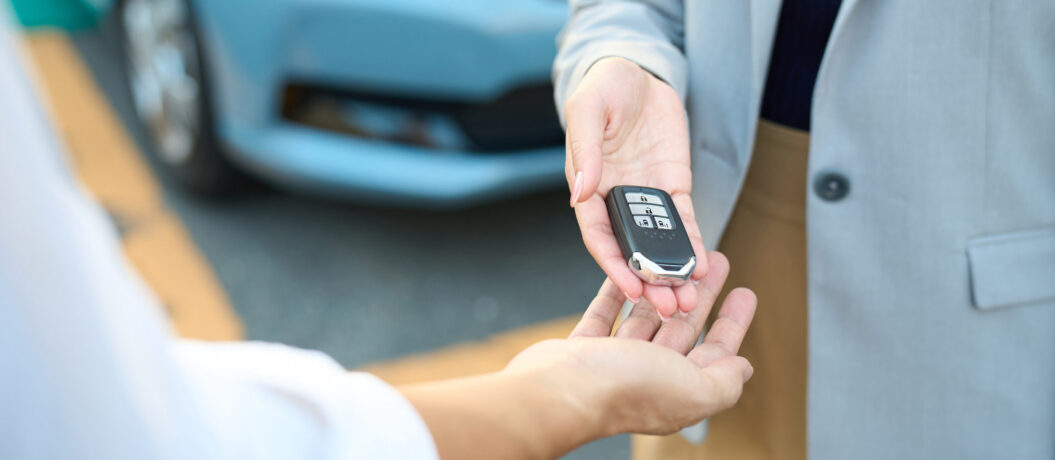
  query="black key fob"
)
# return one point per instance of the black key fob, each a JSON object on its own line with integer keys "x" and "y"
{"x": 651, "y": 234}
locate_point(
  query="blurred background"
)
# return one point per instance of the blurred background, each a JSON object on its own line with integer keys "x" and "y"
{"x": 381, "y": 180}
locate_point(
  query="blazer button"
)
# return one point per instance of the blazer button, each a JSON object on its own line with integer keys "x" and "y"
{"x": 831, "y": 186}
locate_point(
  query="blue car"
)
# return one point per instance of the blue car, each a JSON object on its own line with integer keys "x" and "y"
{"x": 416, "y": 102}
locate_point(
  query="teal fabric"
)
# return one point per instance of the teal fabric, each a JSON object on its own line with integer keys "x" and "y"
{"x": 68, "y": 14}
{"x": 940, "y": 115}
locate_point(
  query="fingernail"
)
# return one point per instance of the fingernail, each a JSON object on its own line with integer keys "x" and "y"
{"x": 576, "y": 189}
{"x": 683, "y": 314}
{"x": 633, "y": 300}
{"x": 661, "y": 317}
{"x": 749, "y": 372}
{"x": 696, "y": 282}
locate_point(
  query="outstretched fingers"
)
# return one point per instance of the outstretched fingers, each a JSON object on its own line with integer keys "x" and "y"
{"x": 727, "y": 333}
{"x": 641, "y": 324}
{"x": 681, "y": 332}
{"x": 602, "y": 313}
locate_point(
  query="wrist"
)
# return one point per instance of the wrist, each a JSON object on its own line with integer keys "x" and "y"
{"x": 583, "y": 404}
{"x": 556, "y": 414}
{"x": 621, "y": 67}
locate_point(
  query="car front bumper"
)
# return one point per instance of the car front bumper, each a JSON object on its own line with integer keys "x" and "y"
{"x": 468, "y": 51}
{"x": 380, "y": 172}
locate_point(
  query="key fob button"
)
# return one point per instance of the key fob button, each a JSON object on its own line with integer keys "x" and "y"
{"x": 643, "y": 221}
{"x": 648, "y": 210}
{"x": 637, "y": 197}
{"x": 663, "y": 224}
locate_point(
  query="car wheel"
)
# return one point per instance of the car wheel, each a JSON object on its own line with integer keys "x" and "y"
{"x": 166, "y": 78}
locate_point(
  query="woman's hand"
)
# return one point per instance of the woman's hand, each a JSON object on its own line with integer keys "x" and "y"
{"x": 651, "y": 377}
{"x": 626, "y": 127}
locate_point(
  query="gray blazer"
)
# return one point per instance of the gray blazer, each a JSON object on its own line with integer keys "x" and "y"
{"x": 932, "y": 283}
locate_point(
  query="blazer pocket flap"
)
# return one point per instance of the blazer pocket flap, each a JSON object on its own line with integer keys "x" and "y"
{"x": 1012, "y": 268}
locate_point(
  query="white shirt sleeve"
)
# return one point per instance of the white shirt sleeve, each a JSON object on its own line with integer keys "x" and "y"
{"x": 258, "y": 391}
{"x": 89, "y": 368}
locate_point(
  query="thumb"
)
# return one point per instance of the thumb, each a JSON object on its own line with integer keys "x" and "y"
{"x": 725, "y": 380}
{"x": 586, "y": 118}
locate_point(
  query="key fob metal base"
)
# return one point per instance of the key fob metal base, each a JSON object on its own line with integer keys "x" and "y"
{"x": 654, "y": 273}
{"x": 651, "y": 235}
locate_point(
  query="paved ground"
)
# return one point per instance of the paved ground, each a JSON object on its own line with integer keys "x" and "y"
{"x": 368, "y": 284}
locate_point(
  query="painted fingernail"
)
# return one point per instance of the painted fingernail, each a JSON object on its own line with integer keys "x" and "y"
{"x": 576, "y": 189}
{"x": 750, "y": 371}
{"x": 661, "y": 317}
{"x": 633, "y": 300}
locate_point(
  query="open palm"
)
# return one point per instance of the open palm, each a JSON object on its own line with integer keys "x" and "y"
{"x": 626, "y": 127}
{"x": 652, "y": 377}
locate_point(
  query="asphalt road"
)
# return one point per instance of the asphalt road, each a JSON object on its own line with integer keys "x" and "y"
{"x": 366, "y": 284}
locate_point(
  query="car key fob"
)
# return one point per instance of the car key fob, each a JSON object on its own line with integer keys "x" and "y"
{"x": 651, "y": 234}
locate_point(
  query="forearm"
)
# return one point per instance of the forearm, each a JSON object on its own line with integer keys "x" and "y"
{"x": 516, "y": 415}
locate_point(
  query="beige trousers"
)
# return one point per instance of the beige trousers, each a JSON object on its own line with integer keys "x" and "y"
{"x": 766, "y": 246}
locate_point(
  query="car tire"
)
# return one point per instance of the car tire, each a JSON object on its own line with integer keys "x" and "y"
{"x": 166, "y": 76}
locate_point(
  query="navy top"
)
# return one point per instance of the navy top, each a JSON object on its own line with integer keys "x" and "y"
{"x": 802, "y": 35}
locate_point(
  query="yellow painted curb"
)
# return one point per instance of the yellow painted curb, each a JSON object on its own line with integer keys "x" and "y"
{"x": 108, "y": 163}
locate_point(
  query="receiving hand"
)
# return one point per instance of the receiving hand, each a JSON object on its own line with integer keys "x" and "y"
{"x": 626, "y": 127}
{"x": 651, "y": 377}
